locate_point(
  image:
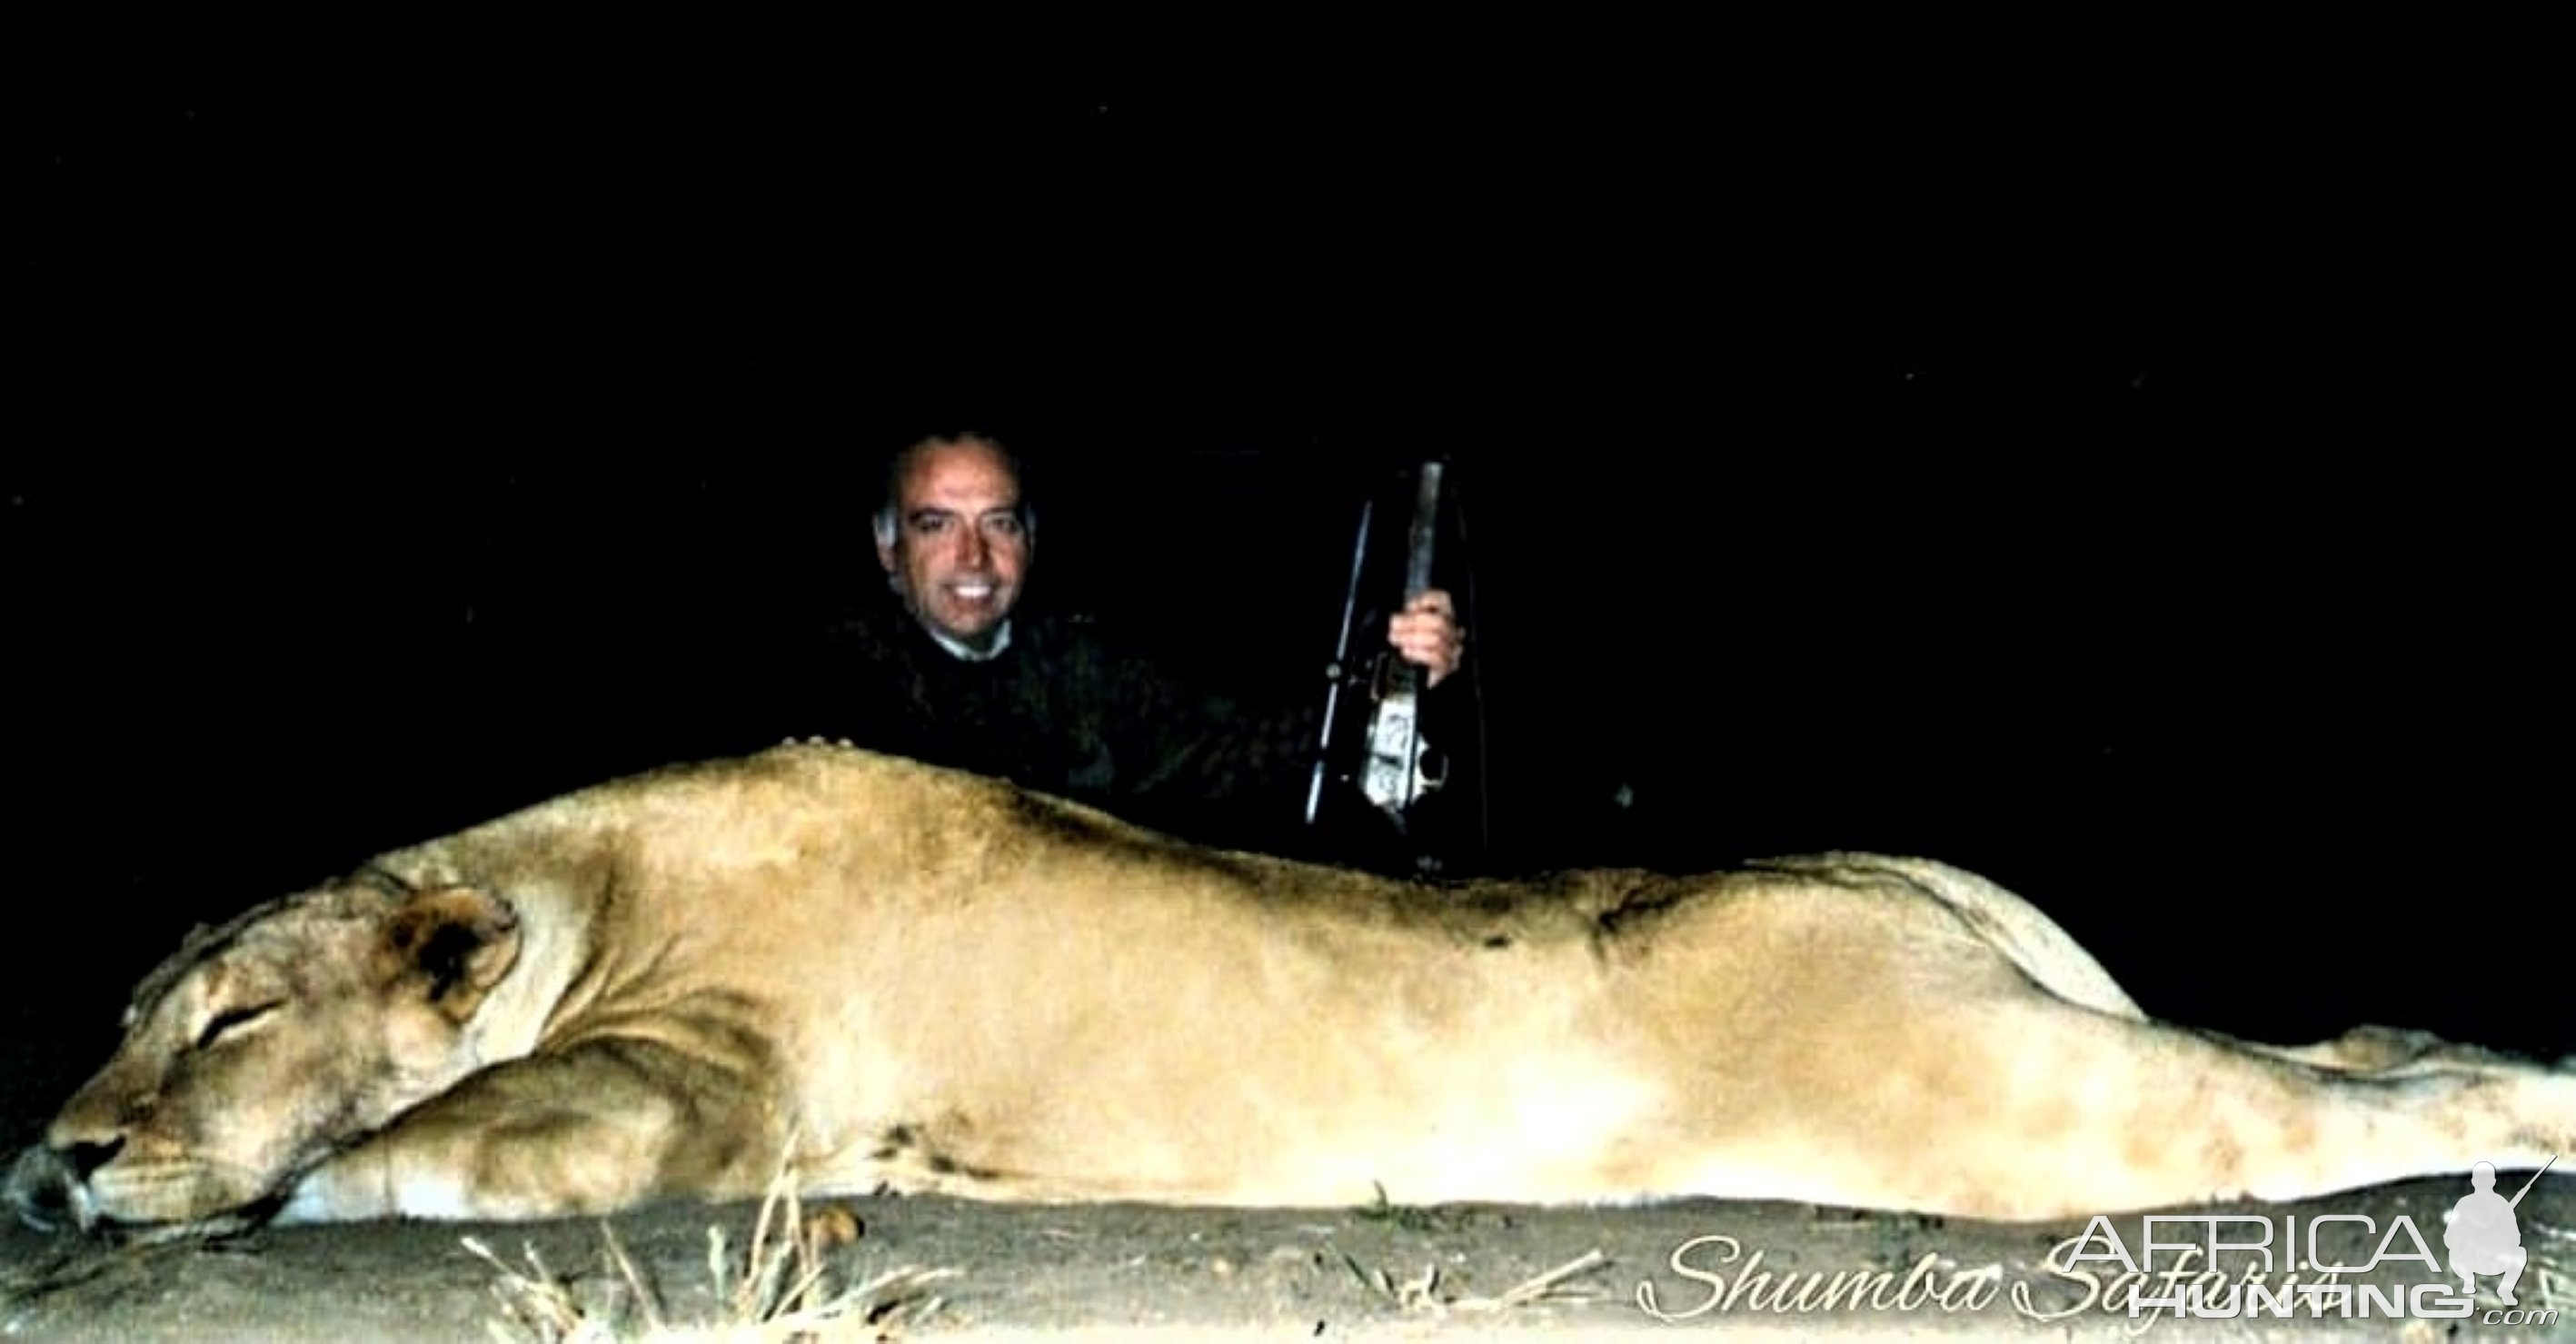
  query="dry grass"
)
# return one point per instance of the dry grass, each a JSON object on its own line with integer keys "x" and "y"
{"x": 788, "y": 1283}
{"x": 1428, "y": 1293}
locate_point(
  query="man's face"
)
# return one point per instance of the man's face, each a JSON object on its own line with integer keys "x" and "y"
{"x": 960, "y": 550}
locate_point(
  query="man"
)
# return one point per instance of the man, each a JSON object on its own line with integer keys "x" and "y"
{"x": 2483, "y": 1236}
{"x": 961, "y": 673}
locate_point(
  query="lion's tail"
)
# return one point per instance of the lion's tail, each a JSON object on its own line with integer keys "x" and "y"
{"x": 2014, "y": 927}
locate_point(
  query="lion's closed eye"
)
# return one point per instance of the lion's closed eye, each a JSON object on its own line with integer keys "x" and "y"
{"x": 232, "y": 1020}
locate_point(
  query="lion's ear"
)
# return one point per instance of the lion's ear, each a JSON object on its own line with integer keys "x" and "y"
{"x": 457, "y": 942}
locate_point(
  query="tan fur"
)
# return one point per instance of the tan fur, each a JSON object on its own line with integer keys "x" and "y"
{"x": 926, "y": 980}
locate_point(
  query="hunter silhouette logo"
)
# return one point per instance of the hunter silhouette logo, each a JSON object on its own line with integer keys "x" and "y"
{"x": 2482, "y": 1234}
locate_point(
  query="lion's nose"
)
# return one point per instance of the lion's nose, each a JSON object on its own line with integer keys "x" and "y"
{"x": 42, "y": 1190}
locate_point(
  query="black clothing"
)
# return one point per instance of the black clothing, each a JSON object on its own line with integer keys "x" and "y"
{"x": 1067, "y": 710}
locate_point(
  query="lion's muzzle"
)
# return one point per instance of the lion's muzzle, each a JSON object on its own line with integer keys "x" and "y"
{"x": 48, "y": 1193}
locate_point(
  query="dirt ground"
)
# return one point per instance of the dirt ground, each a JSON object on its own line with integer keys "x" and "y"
{"x": 968, "y": 1271}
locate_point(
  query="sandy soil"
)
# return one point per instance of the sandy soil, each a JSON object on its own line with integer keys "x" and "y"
{"x": 1126, "y": 1272}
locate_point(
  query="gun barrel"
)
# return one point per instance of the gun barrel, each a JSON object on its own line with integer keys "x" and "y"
{"x": 2535, "y": 1180}
{"x": 1334, "y": 673}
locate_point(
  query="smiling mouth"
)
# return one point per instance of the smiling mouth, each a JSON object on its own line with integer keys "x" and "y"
{"x": 971, "y": 592}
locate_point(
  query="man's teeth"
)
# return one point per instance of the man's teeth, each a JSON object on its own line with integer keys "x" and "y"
{"x": 973, "y": 592}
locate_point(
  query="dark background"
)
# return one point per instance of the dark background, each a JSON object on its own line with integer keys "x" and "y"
{"x": 2114, "y": 462}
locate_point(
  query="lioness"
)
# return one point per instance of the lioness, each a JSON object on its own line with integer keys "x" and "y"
{"x": 925, "y": 980}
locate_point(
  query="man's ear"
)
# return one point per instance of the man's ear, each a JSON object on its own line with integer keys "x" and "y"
{"x": 885, "y": 525}
{"x": 454, "y": 942}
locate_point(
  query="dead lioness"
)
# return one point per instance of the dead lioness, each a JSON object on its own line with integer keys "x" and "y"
{"x": 934, "y": 981}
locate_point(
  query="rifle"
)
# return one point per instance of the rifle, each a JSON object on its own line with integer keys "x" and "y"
{"x": 1390, "y": 773}
{"x": 2535, "y": 1180}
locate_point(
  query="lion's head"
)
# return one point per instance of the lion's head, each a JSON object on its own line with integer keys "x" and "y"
{"x": 263, "y": 1045}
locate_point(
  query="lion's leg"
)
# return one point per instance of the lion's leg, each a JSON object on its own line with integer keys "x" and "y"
{"x": 593, "y": 1128}
{"x": 2037, "y": 1110}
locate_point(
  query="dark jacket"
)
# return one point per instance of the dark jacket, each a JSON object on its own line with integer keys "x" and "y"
{"x": 1070, "y": 710}
{"x": 1067, "y": 710}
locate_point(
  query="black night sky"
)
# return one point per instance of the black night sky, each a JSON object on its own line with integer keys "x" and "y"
{"x": 2127, "y": 481}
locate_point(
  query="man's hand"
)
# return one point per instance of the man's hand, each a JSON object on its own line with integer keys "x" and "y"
{"x": 1426, "y": 633}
